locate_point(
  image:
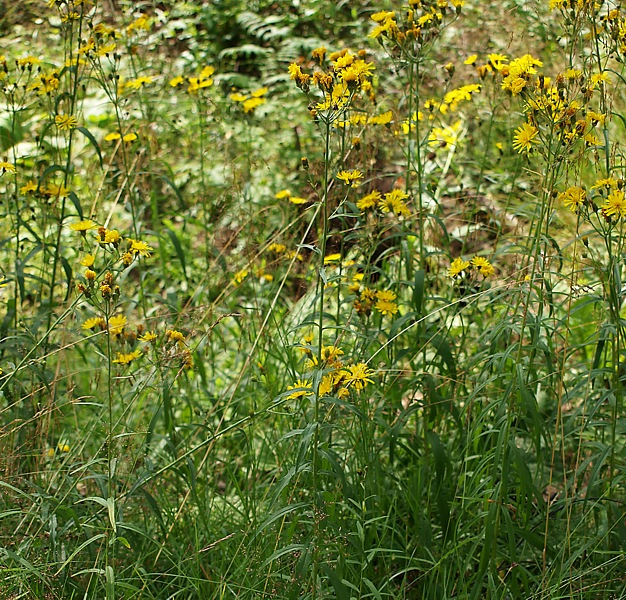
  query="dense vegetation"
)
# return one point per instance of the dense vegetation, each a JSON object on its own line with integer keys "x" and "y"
{"x": 307, "y": 299}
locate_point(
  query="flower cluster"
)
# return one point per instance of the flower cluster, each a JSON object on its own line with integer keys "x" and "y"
{"x": 249, "y": 102}
{"x": 478, "y": 264}
{"x": 338, "y": 379}
{"x": 203, "y": 80}
{"x": 367, "y": 299}
{"x": 341, "y": 76}
{"x": 392, "y": 202}
{"x": 419, "y": 23}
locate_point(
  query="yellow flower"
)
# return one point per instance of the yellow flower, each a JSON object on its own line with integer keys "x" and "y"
{"x": 56, "y": 190}
{"x": 525, "y": 138}
{"x": 83, "y": 226}
{"x": 240, "y": 276}
{"x": 381, "y": 119}
{"x": 176, "y": 81}
{"x": 615, "y": 204}
{"x": 278, "y": 248}
{"x": 65, "y": 122}
{"x": 112, "y": 136}
{"x": 471, "y": 59}
{"x": 350, "y": 177}
{"x": 387, "y": 295}
{"x": 282, "y": 195}
{"x": 29, "y": 186}
{"x": 139, "y": 247}
{"x": 483, "y": 265}
{"x": 106, "y": 49}
{"x": 124, "y": 359}
{"x": 138, "y": 83}
{"x": 457, "y": 267}
{"x": 252, "y": 103}
{"x": 149, "y": 336}
{"x": 117, "y": 324}
{"x": 303, "y": 388}
{"x": 326, "y": 385}
{"x": 598, "y": 79}
{"x": 332, "y": 258}
{"x": 111, "y": 236}
{"x": 573, "y": 198}
{"x": 386, "y": 308}
{"x": 129, "y": 137}
{"x": 298, "y": 200}
{"x": 93, "y": 322}
{"x": 238, "y": 97}
{"x": 174, "y": 335}
{"x": 368, "y": 201}
{"x": 88, "y": 260}
{"x": 28, "y": 61}
{"x": 358, "y": 376}
{"x": 260, "y": 92}
{"x": 6, "y": 166}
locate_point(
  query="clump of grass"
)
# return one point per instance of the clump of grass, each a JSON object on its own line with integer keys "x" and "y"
{"x": 316, "y": 316}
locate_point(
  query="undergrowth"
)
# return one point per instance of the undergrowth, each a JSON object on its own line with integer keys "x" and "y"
{"x": 312, "y": 300}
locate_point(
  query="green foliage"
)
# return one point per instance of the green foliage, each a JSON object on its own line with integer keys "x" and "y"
{"x": 301, "y": 322}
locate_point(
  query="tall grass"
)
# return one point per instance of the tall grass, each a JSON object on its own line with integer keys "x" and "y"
{"x": 327, "y": 304}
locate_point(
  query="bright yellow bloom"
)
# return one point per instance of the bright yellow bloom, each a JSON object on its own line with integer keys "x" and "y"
{"x": 240, "y": 276}
{"x": 303, "y": 388}
{"x": 176, "y": 81}
{"x": 332, "y": 258}
{"x": 29, "y": 186}
{"x": 93, "y": 322}
{"x": 124, "y": 359}
{"x": 65, "y": 122}
{"x": 385, "y": 307}
{"x": 369, "y": 201}
{"x": 457, "y": 267}
{"x": 350, "y": 177}
{"x": 573, "y": 198}
{"x": 83, "y": 226}
{"x": 615, "y": 204}
{"x": 28, "y": 61}
{"x": 106, "y": 49}
{"x": 174, "y": 335}
{"x": 149, "y": 336}
{"x": 117, "y": 324}
{"x": 483, "y": 265}
{"x": 6, "y": 166}
{"x": 252, "y": 103}
{"x": 139, "y": 247}
{"x": 88, "y": 260}
{"x": 358, "y": 376}
{"x": 525, "y": 138}
{"x": 56, "y": 190}
{"x": 382, "y": 119}
{"x": 388, "y": 295}
{"x": 138, "y": 83}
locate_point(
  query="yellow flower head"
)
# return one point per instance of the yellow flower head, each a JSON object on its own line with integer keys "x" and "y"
{"x": 483, "y": 266}
{"x": 117, "y": 324}
{"x": 350, "y": 177}
{"x": 303, "y": 388}
{"x": 457, "y": 267}
{"x": 124, "y": 359}
{"x": 83, "y": 226}
{"x": 525, "y": 138}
